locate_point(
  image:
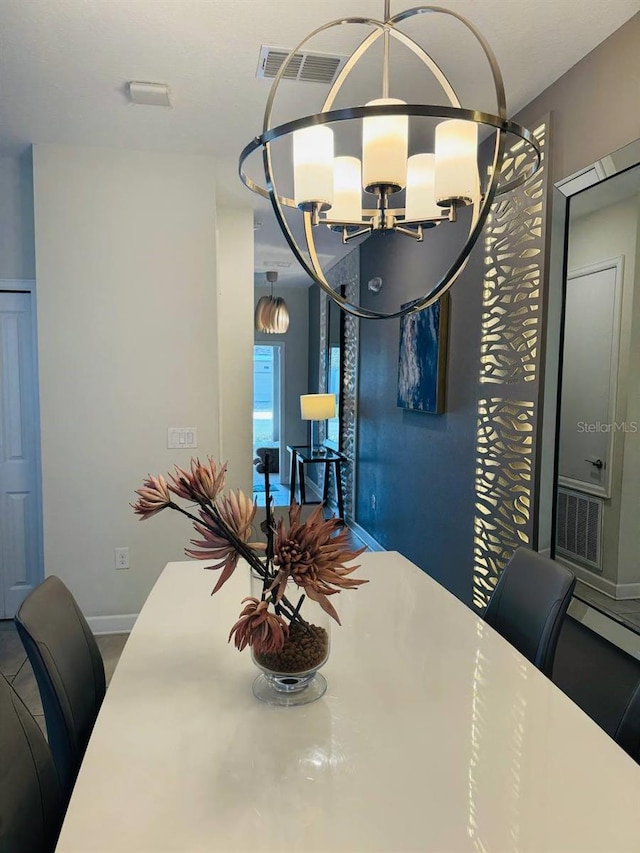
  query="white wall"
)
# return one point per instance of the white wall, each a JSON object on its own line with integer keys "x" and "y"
{"x": 129, "y": 345}
{"x": 235, "y": 335}
{"x": 17, "y": 255}
{"x": 599, "y": 236}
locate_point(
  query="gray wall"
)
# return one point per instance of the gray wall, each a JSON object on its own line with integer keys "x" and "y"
{"x": 17, "y": 244}
{"x": 419, "y": 466}
{"x": 594, "y": 105}
{"x": 296, "y": 357}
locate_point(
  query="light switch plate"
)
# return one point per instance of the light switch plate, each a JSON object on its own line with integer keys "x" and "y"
{"x": 182, "y": 438}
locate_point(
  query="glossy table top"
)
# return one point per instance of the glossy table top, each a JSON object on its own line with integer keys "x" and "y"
{"x": 434, "y": 735}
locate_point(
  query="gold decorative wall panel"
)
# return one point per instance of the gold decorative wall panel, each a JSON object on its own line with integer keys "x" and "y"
{"x": 511, "y": 329}
{"x": 511, "y": 315}
{"x": 503, "y": 488}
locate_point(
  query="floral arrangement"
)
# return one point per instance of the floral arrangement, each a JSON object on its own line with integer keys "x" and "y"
{"x": 309, "y": 556}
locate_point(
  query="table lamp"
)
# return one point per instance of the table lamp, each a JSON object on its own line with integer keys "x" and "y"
{"x": 317, "y": 407}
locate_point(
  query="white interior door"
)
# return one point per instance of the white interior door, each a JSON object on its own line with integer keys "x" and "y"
{"x": 589, "y": 377}
{"x": 20, "y": 528}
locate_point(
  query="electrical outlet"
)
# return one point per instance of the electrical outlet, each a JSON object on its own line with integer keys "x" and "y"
{"x": 122, "y": 558}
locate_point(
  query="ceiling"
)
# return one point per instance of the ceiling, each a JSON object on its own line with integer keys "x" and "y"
{"x": 64, "y": 67}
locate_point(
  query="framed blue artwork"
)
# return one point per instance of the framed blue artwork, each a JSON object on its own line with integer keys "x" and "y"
{"x": 423, "y": 355}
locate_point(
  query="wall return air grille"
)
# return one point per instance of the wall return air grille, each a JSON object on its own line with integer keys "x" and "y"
{"x": 305, "y": 66}
{"x": 579, "y": 527}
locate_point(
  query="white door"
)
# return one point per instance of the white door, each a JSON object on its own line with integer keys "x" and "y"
{"x": 589, "y": 377}
{"x": 20, "y": 527}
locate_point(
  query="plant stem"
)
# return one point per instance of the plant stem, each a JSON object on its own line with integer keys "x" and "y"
{"x": 254, "y": 561}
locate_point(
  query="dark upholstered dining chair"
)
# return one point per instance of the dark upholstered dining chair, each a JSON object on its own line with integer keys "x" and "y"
{"x": 529, "y": 604}
{"x": 31, "y": 802}
{"x": 69, "y": 670}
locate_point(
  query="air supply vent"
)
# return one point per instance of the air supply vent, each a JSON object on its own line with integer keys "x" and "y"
{"x": 306, "y": 67}
{"x": 579, "y": 527}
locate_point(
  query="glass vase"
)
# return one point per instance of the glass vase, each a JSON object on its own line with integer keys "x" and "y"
{"x": 291, "y": 676}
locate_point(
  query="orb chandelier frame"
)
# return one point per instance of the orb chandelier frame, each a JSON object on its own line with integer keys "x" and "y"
{"x": 384, "y": 217}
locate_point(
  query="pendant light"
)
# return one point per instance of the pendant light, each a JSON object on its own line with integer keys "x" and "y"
{"x": 272, "y": 314}
{"x": 356, "y": 196}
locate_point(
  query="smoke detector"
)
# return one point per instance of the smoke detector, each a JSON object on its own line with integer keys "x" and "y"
{"x": 149, "y": 94}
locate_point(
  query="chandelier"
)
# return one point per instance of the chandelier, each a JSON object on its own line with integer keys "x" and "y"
{"x": 272, "y": 314}
{"x": 328, "y": 189}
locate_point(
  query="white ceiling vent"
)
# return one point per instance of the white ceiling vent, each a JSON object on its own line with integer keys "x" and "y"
{"x": 305, "y": 66}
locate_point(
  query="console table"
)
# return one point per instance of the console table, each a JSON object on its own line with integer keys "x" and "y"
{"x": 302, "y": 455}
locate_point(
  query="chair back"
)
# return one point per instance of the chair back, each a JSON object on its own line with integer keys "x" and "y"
{"x": 69, "y": 670}
{"x": 628, "y": 732}
{"x": 31, "y": 803}
{"x": 529, "y": 603}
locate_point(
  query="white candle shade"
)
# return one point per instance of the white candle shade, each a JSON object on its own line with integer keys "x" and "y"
{"x": 317, "y": 407}
{"x": 420, "y": 202}
{"x": 456, "y": 161}
{"x": 313, "y": 167}
{"x": 384, "y": 148}
{"x": 347, "y": 190}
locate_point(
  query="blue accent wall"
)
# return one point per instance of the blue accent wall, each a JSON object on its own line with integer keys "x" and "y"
{"x": 419, "y": 466}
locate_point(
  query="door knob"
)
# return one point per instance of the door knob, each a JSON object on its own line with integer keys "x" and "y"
{"x": 597, "y": 463}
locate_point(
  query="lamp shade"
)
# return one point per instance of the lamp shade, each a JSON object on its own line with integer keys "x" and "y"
{"x": 385, "y": 145}
{"x": 313, "y": 167}
{"x": 272, "y": 315}
{"x": 420, "y": 198}
{"x": 456, "y": 161}
{"x": 347, "y": 190}
{"x": 317, "y": 407}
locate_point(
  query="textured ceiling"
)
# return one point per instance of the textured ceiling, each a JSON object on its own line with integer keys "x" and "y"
{"x": 64, "y": 65}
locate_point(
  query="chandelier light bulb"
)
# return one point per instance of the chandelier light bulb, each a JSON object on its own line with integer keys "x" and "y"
{"x": 456, "y": 162}
{"x": 385, "y": 145}
{"x": 420, "y": 202}
{"x": 313, "y": 167}
{"x": 347, "y": 190}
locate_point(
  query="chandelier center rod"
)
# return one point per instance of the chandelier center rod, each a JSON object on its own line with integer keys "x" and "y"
{"x": 385, "y": 55}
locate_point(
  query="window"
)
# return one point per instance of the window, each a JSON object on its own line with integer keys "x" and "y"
{"x": 266, "y": 395}
{"x": 333, "y": 387}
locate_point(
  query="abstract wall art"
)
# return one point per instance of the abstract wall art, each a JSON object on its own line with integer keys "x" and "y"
{"x": 422, "y": 361}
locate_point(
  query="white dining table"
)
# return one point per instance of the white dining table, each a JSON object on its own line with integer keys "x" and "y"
{"x": 434, "y": 735}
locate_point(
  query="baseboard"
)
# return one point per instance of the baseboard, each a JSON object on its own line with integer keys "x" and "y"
{"x": 616, "y": 591}
{"x": 366, "y": 538}
{"x": 627, "y": 590}
{"x": 112, "y": 624}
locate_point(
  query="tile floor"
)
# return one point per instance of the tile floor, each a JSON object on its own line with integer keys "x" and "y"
{"x": 625, "y": 611}
{"x": 17, "y": 669}
{"x": 279, "y": 492}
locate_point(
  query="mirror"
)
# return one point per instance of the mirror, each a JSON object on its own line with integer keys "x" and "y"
{"x": 594, "y": 308}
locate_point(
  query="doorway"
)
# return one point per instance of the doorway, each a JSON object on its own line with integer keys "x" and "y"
{"x": 268, "y": 401}
{"x": 21, "y": 560}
